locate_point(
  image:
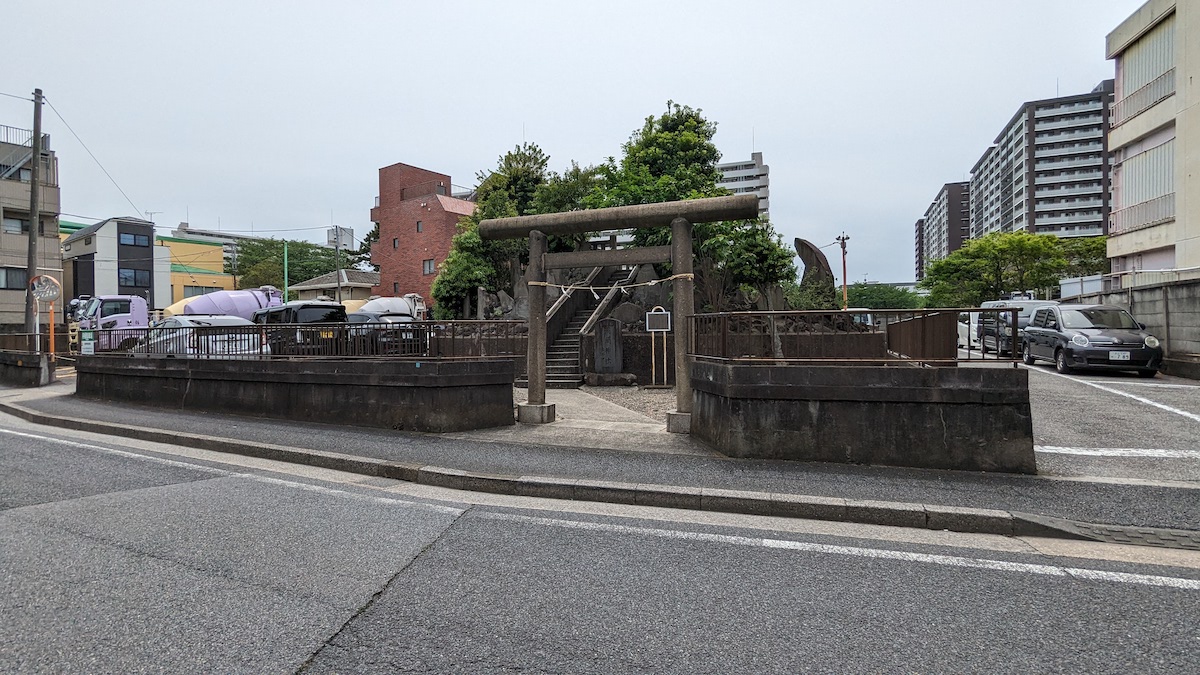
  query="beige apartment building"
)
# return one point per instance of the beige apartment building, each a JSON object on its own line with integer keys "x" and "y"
{"x": 1154, "y": 138}
{"x": 16, "y": 169}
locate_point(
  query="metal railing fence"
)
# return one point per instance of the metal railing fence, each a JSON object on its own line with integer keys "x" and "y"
{"x": 934, "y": 337}
{"x": 417, "y": 339}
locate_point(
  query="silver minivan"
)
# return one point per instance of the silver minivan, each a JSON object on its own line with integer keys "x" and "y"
{"x": 201, "y": 336}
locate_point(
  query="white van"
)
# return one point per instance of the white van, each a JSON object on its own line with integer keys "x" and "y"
{"x": 968, "y": 330}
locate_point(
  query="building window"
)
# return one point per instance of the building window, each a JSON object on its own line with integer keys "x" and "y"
{"x": 427, "y": 266}
{"x": 20, "y": 226}
{"x": 395, "y": 243}
{"x": 134, "y": 278}
{"x": 395, "y": 288}
{"x": 12, "y": 278}
{"x": 193, "y": 291}
{"x": 418, "y": 226}
{"x": 129, "y": 239}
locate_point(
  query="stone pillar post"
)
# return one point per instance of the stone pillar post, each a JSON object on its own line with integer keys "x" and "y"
{"x": 680, "y": 421}
{"x": 536, "y": 411}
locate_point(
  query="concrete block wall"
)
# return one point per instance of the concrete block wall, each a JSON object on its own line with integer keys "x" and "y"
{"x": 970, "y": 419}
{"x": 1170, "y": 311}
{"x": 431, "y": 396}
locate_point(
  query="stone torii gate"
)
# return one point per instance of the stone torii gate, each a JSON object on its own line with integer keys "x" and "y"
{"x": 679, "y": 216}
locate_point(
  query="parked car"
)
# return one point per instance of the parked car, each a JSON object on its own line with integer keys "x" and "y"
{"x": 204, "y": 337}
{"x": 995, "y": 330}
{"x": 1100, "y": 337}
{"x": 968, "y": 330}
{"x": 305, "y": 327}
{"x": 384, "y": 333}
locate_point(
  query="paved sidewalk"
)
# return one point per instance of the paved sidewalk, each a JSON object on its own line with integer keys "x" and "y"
{"x": 594, "y": 452}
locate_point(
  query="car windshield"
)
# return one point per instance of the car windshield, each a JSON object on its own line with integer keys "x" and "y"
{"x": 89, "y": 310}
{"x": 1098, "y": 317}
{"x": 320, "y": 315}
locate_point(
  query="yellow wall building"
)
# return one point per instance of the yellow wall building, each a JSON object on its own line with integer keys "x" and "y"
{"x": 197, "y": 267}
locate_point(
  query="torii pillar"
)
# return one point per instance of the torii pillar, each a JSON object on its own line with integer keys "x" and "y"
{"x": 679, "y": 216}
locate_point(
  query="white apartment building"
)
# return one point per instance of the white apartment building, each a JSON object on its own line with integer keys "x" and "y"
{"x": 1048, "y": 171}
{"x": 1154, "y": 138}
{"x": 747, "y": 176}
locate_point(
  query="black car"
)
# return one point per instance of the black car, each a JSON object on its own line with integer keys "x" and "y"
{"x": 1101, "y": 337}
{"x": 304, "y": 327}
{"x": 385, "y": 333}
{"x": 995, "y": 331}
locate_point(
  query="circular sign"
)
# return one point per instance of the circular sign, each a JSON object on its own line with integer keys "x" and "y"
{"x": 45, "y": 288}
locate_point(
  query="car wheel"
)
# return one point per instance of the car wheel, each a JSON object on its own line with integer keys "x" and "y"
{"x": 1060, "y": 362}
{"x": 1027, "y": 355}
{"x": 1147, "y": 373}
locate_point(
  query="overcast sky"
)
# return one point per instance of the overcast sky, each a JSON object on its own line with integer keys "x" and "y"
{"x": 276, "y": 116}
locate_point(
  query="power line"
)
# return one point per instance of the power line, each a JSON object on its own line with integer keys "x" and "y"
{"x": 20, "y": 98}
{"x": 89, "y": 152}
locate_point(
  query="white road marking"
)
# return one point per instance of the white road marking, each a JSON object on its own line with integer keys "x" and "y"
{"x": 1119, "y": 452}
{"x": 1183, "y": 413}
{"x": 223, "y": 472}
{"x": 1159, "y": 385}
{"x": 859, "y": 552}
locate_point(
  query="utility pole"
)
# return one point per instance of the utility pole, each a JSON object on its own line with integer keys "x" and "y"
{"x": 842, "y": 240}
{"x": 337, "y": 245}
{"x": 35, "y": 214}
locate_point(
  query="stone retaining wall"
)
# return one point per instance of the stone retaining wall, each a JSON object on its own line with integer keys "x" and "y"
{"x": 434, "y": 396}
{"x": 973, "y": 419}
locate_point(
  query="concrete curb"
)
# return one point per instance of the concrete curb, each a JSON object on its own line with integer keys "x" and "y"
{"x": 898, "y": 514}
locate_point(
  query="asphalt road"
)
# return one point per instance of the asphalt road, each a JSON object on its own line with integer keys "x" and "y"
{"x": 1115, "y": 425}
{"x": 120, "y": 555}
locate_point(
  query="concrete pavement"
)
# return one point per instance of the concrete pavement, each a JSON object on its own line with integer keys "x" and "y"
{"x": 598, "y": 451}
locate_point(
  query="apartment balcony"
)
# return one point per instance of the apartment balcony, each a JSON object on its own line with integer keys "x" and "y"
{"x": 1066, "y": 191}
{"x": 1040, "y": 219}
{"x": 1145, "y": 214}
{"x": 1090, "y": 120}
{"x": 1075, "y": 231}
{"x": 1073, "y": 150}
{"x": 1144, "y": 98}
{"x": 375, "y": 211}
{"x": 1064, "y": 136}
{"x": 1070, "y": 206}
{"x": 1068, "y": 109}
{"x": 1067, "y": 163}
{"x": 14, "y": 195}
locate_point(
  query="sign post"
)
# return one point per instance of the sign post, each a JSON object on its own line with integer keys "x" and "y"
{"x": 658, "y": 320}
{"x": 46, "y": 288}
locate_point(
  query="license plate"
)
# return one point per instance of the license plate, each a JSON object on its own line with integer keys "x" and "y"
{"x": 328, "y": 335}
{"x": 1118, "y": 356}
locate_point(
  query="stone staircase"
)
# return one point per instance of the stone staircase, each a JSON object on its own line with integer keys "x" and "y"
{"x": 563, "y": 369}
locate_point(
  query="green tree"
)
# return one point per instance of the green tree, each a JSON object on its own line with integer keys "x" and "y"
{"x": 566, "y": 192}
{"x": 259, "y": 262}
{"x": 993, "y": 266}
{"x": 882, "y": 296}
{"x": 672, "y": 157}
{"x": 362, "y": 256}
{"x": 812, "y": 294}
{"x": 507, "y": 191}
{"x": 1085, "y": 255}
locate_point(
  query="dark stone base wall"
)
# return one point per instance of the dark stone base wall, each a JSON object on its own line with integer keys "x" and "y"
{"x": 432, "y": 396}
{"x": 972, "y": 419}
{"x": 25, "y": 370}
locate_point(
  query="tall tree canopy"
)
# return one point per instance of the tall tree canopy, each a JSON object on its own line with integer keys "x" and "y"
{"x": 671, "y": 157}
{"x": 881, "y": 296}
{"x": 993, "y": 266}
{"x": 1085, "y": 255}
{"x": 259, "y": 262}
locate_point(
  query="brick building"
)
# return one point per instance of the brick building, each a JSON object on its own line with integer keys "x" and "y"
{"x": 417, "y": 218}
